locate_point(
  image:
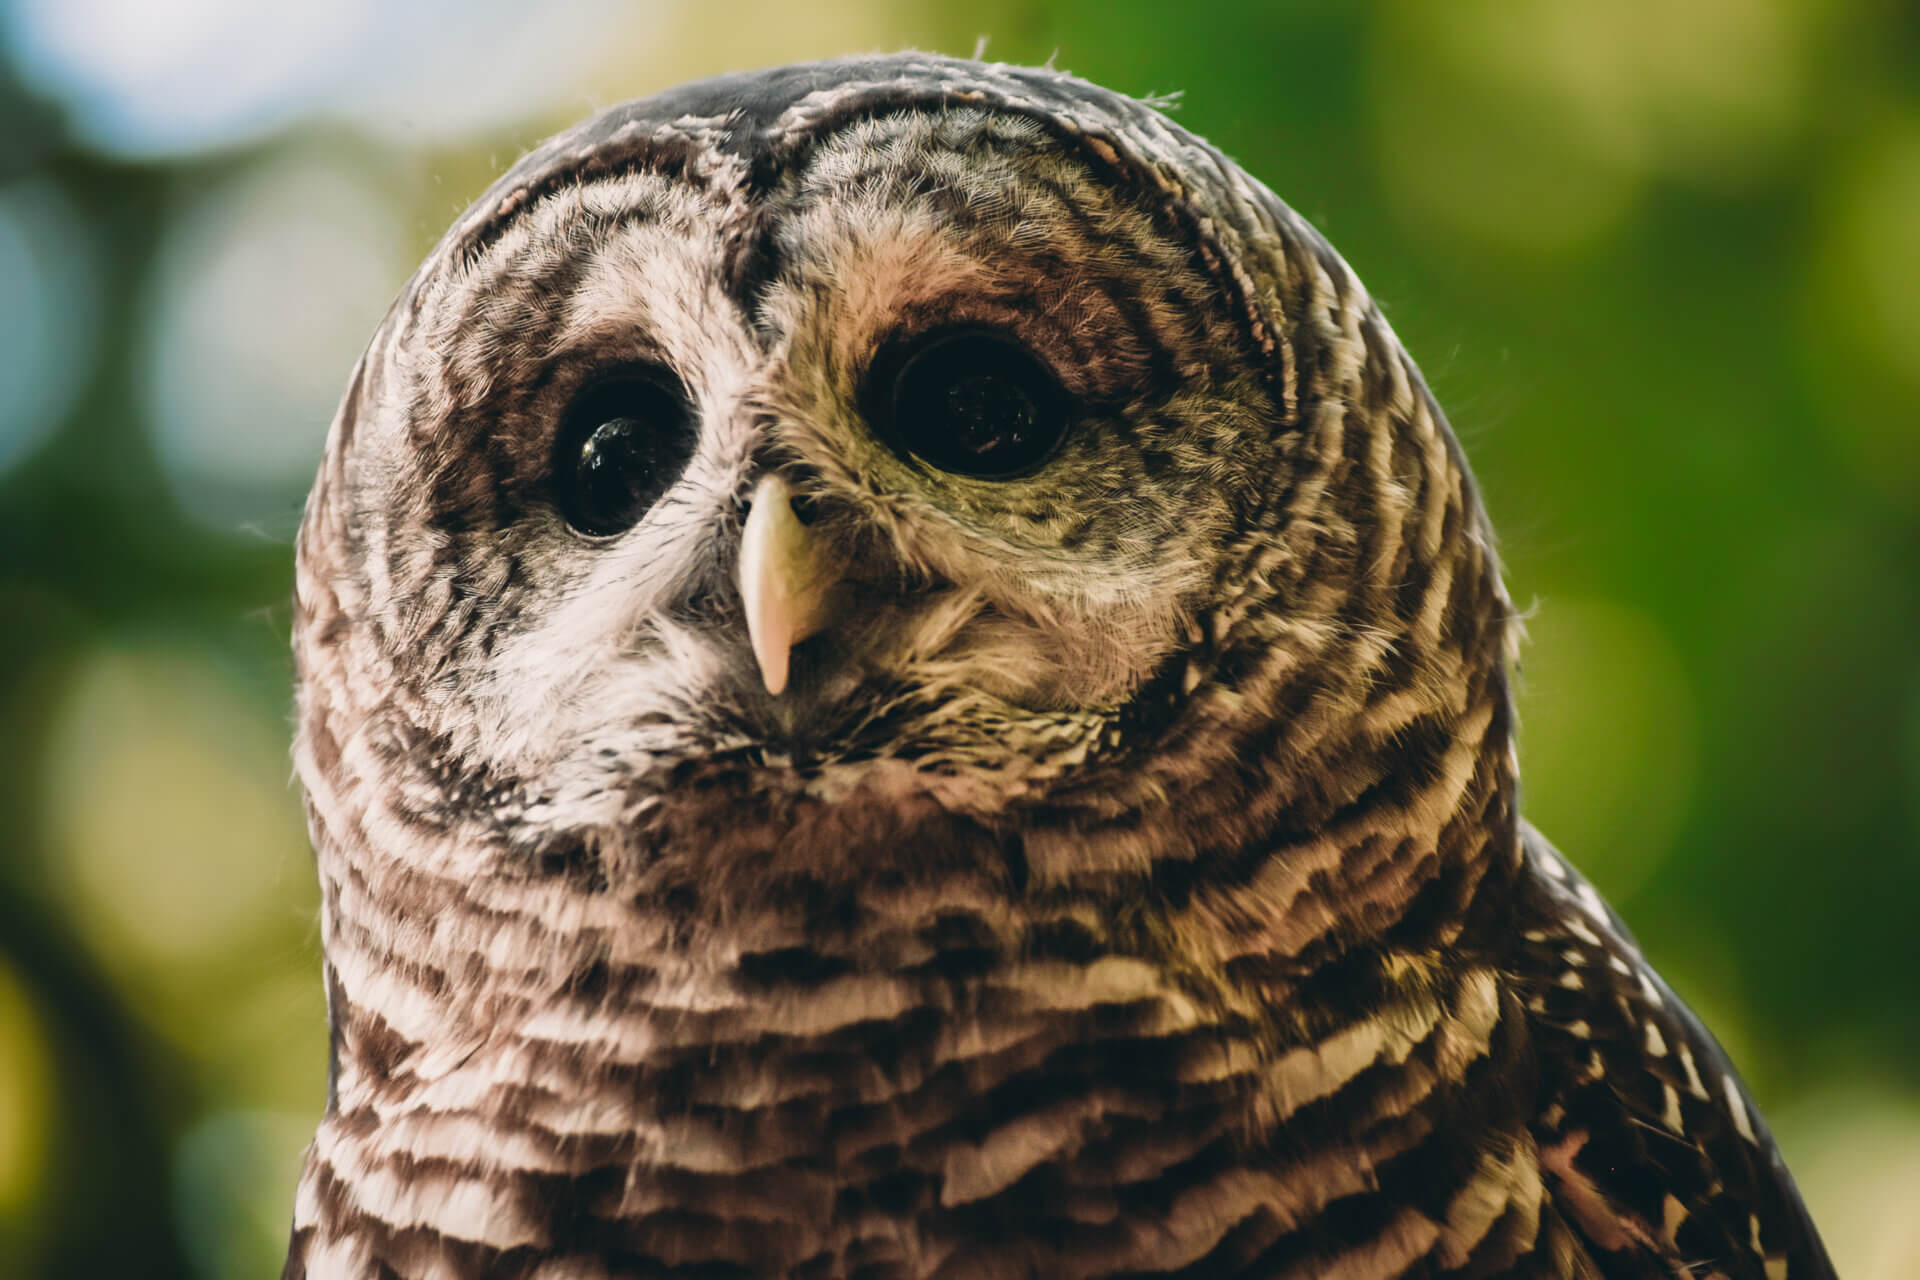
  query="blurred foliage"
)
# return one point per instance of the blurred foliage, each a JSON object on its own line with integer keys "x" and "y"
{"x": 1661, "y": 261}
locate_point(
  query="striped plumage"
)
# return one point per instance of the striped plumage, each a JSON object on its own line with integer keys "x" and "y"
{"x": 1130, "y": 879}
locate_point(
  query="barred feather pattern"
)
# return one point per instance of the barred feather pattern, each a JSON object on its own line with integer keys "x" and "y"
{"x": 1132, "y": 884}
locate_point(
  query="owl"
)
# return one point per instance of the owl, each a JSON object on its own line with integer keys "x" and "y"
{"x": 899, "y": 677}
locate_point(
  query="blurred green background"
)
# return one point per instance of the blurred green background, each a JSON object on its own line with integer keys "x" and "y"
{"x": 1660, "y": 260}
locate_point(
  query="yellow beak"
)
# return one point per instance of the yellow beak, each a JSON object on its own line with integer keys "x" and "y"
{"x": 786, "y": 581}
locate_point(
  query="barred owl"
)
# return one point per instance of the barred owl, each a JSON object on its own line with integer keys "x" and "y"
{"x": 899, "y": 677}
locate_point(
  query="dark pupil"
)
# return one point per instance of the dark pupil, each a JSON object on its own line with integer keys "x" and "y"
{"x": 988, "y": 415}
{"x": 976, "y": 404}
{"x": 621, "y": 448}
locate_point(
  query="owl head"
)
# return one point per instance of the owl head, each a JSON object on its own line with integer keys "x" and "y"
{"x": 882, "y": 466}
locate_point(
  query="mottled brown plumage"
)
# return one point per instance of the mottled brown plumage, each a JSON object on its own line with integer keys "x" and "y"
{"x": 1128, "y": 877}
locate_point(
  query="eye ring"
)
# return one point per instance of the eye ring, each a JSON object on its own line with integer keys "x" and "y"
{"x": 968, "y": 401}
{"x": 622, "y": 443}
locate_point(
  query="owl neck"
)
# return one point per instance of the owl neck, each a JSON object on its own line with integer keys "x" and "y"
{"x": 561, "y": 1062}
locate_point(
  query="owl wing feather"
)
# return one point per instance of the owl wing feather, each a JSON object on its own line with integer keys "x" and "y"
{"x": 1649, "y": 1142}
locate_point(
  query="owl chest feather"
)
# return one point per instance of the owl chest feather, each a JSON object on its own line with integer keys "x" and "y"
{"x": 919, "y": 1080}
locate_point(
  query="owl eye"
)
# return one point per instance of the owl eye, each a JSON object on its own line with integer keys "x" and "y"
{"x": 623, "y": 444}
{"x": 972, "y": 402}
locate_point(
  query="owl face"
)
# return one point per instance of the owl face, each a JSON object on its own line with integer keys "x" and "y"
{"x": 913, "y": 438}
